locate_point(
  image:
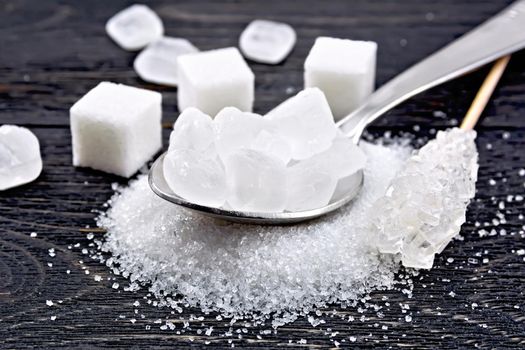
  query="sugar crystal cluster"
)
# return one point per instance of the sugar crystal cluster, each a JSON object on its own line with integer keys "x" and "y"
{"x": 20, "y": 160}
{"x": 289, "y": 159}
{"x": 424, "y": 206}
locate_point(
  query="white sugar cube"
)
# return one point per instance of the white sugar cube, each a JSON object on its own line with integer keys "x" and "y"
{"x": 157, "y": 63}
{"x": 310, "y": 185}
{"x": 215, "y": 79}
{"x": 235, "y": 129}
{"x": 306, "y": 122}
{"x": 256, "y": 181}
{"x": 135, "y": 27}
{"x": 193, "y": 130}
{"x": 345, "y": 71}
{"x": 267, "y": 41}
{"x": 20, "y": 160}
{"x": 196, "y": 176}
{"x": 116, "y": 128}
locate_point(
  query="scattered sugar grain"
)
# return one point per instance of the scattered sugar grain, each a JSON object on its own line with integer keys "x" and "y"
{"x": 33, "y": 234}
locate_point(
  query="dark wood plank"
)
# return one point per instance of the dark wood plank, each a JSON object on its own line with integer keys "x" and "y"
{"x": 52, "y": 52}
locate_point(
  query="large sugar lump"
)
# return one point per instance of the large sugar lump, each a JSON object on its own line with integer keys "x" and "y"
{"x": 306, "y": 122}
{"x": 267, "y": 41}
{"x": 157, "y": 63}
{"x": 193, "y": 130}
{"x": 235, "y": 129}
{"x": 313, "y": 181}
{"x": 135, "y": 27}
{"x": 212, "y": 80}
{"x": 116, "y": 128}
{"x": 257, "y": 182}
{"x": 425, "y": 204}
{"x": 198, "y": 177}
{"x": 344, "y": 70}
{"x": 20, "y": 160}
{"x": 310, "y": 186}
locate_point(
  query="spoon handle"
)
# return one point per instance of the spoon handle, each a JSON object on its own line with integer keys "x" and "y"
{"x": 501, "y": 35}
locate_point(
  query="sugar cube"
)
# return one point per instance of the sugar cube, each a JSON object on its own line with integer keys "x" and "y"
{"x": 256, "y": 181}
{"x": 157, "y": 63}
{"x": 20, "y": 160}
{"x": 196, "y": 176}
{"x": 344, "y": 70}
{"x": 116, "y": 128}
{"x": 212, "y": 80}
{"x": 135, "y": 27}
{"x": 306, "y": 122}
{"x": 267, "y": 41}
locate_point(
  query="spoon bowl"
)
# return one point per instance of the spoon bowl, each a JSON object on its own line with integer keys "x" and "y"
{"x": 159, "y": 185}
{"x": 501, "y": 35}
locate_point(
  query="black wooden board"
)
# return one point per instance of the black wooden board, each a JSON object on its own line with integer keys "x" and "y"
{"x": 52, "y": 52}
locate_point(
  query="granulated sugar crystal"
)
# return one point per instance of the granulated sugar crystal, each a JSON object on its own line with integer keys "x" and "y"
{"x": 259, "y": 272}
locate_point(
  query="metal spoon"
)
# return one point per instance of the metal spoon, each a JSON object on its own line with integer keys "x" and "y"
{"x": 501, "y": 35}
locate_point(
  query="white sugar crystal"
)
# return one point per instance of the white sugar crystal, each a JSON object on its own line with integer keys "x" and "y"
{"x": 157, "y": 63}
{"x": 310, "y": 186}
{"x": 344, "y": 70}
{"x": 424, "y": 206}
{"x": 196, "y": 176}
{"x": 267, "y": 41}
{"x": 235, "y": 130}
{"x": 250, "y": 270}
{"x": 256, "y": 181}
{"x": 306, "y": 122}
{"x": 212, "y": 80}
{"x": 270, "y": 142}
{"x": 116, "y": 128}
{"x": 20, "y": 160}
{"x": 135, "y": 27}
{"x": 342, "y": 159}
{"x": 193, "y": 130}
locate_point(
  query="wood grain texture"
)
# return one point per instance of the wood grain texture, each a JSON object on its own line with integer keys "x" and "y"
{"x": 52, "y": 52}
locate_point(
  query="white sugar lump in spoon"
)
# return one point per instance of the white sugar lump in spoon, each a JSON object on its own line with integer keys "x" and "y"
{"x": 425, "y": 204}
{"x": 20, "y": 160}
{"x": 312, "y": 182}
{"x": 193, "y": 130}
{"x": 257, "y": 181}
{"x": 235, "y": 129}
{"x": 306, "y": 122}
{"x": 196, "y": 176}
{"x": 267, "y": 41}
{"x": 135, "y": 27}
{"x": 157, "y": 63}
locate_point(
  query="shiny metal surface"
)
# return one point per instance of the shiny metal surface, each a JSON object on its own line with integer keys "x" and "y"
{"x": 499, "y": 36}
{"x": 160, "y": 187}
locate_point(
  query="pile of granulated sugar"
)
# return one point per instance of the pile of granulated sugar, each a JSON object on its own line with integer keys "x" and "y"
{"x": 247, "y": 271}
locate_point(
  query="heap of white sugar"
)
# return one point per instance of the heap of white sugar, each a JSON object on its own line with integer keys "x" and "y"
{"x": 424, "y": 206}
{"x": 259, "y": 272}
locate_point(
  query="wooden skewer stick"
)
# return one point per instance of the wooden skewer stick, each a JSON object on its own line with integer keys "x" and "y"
{"x": 484, "y": 93}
